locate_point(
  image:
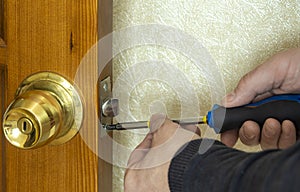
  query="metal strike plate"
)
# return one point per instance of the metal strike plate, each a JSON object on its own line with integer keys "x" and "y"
{"x": 108, "y": 106}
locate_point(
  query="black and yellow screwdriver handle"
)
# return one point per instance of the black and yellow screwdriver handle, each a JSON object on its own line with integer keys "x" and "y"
{"x": 280, "y": 107}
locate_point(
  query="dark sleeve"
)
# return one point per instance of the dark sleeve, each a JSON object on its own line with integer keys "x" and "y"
{"x": 222, "y": 169}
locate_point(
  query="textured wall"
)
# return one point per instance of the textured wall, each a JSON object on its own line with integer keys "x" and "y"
{"x": 238, "y": 34}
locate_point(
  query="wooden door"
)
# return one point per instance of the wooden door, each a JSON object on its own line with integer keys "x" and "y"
{"x": 50, "y": 35}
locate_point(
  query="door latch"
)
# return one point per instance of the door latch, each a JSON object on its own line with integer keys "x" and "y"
{"x": 109, "y": 107}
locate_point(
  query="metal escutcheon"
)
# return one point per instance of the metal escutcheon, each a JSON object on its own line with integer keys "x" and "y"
{"x": 47, "y": 110}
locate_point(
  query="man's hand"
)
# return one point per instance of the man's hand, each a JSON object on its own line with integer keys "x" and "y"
{"x": 279, "y": 75}
{"x": 149, "y": 163}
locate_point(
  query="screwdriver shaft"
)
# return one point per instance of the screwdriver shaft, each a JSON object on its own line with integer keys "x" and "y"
{"x": 146, "y": 124}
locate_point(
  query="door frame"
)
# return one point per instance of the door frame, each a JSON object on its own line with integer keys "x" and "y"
{"x": 105, "y": 26}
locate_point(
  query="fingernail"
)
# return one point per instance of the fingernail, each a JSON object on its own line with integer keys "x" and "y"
{"x": 271, "y": 128}
{"x": 248, "y": 135}
{"x": 157, "y": 121}
{"x": 228, "y": 98}
{"x": 287, "y": 128}
{"x": 269, "y": 132}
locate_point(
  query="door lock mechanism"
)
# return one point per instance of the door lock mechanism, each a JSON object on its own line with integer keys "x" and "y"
{"x": 47, "y": 109}
{"x": 109, "y": 106}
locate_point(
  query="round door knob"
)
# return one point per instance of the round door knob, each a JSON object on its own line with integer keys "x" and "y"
{"x": 47, "y": 109}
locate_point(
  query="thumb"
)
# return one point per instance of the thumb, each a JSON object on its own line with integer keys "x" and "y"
{"x": 257, "y": 82}
{"x": 242, "y": 94}
{"x": 140, "y": 151}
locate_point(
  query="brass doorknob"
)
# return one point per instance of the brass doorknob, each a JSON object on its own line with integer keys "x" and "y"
{"x": 47, "y": 109}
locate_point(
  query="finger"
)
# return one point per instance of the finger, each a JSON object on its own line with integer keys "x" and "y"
{"x": 230, "y": 137}
{"x": 164, "y": 132}
{"x": 162, "y": 129}
{"x": 250, "y": 133}
{"x": 270, "y": 134}
{"x": 263, "y": 96}
{"x": 257, "y": 82}
{"x": 146, "y": 143}
{"x": 140, "y": 151}
{"x": 244, "y": 93}
{"x": 192, "y": 128}
{"x": 288, "y": 135}
{"x": 157, "y": 121}
{"x": 166, "y": 142}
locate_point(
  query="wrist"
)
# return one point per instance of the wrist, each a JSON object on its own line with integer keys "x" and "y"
{"x": 180, "y": 162}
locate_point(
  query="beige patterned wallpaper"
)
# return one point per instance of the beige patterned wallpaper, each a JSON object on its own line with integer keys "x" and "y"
{"x": 238, "y": 35}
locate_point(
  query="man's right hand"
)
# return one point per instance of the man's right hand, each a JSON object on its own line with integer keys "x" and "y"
{"x": 278, "y": 75}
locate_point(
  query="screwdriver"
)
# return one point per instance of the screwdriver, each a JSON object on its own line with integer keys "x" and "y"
{"x": 221, "y": 119}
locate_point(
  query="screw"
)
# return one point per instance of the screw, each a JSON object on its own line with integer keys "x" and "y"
{"x": 105, "y": 87}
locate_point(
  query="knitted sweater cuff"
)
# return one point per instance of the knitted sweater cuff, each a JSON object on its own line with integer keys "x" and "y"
{"x": 179, "y": 164}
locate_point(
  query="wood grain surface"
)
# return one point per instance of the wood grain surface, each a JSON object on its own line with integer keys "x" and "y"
{"x": 3, "y": 86}
{"x": 2, "y": 51}
{"x": 52, "y": 35}
{"x": 2, "y": 94}
{"x": 2, "y": 19}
